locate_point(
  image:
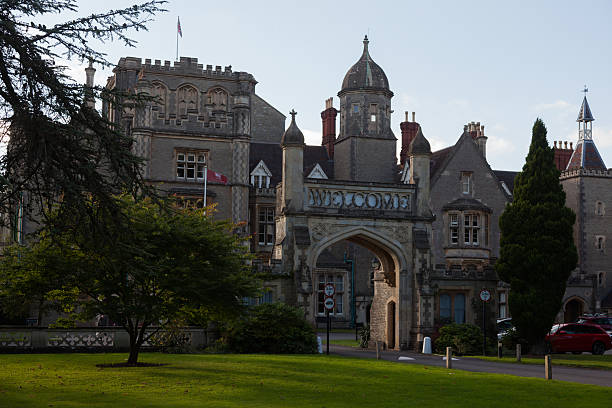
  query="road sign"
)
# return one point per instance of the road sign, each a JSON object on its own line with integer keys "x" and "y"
{"x": 329, "y": 290}
{"x": 329, "y": 303}
{"x": 485, "y": 295}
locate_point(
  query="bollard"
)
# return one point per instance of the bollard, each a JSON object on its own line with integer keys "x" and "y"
{"x": 499, "y": 350}
{"x": 518, "y": 353}
{"x": 378, "y": 350}
{"x": 547, "y": 367}
{"x": 449, "y": 357}
{"x": 427, "y": 345}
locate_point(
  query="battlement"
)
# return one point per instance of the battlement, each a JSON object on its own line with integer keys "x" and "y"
{"x": 186, "y": 65}
{"x": 586, "y": 173}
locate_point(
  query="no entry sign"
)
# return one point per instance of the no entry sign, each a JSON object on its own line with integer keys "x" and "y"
{"x": 329, "y": 303}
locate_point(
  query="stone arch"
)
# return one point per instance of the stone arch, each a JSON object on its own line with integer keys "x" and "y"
{"x": 217, "y": 98}
{"x": 187, "y": 99}
{"x": 159, "y": 91}
{"x": 389, "y": 251}
{"x": 573, "y": 307}
{"x": 390, "y": 318}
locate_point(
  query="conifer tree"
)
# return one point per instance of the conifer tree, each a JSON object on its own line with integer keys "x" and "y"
{"x": 537, "y": 251}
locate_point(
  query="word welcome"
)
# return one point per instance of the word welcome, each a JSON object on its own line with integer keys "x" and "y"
{"x": 364, "y": 200}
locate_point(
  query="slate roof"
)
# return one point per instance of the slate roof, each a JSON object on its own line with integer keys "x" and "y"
{"x": 507, "y": 177}
{"x": 461, "y": 204}
{"x": 586, "y": 156}
{"x": 272, "y": 155}
{"x": 365, "y": 74}
{"x": 438, "y": 158}
{"x": 585, "y": 114}
{"x": 293, "y": 135}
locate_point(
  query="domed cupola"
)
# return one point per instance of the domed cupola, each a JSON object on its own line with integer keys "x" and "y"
{"x": 365, "y": 75}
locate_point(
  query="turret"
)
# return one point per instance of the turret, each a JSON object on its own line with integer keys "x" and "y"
{"x": 420, "y": 154}
{"x": 586, "y": 155}
{"x": 292, "y": 143}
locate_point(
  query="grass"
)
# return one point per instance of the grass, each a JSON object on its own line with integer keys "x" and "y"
{"x": 580, "y": 360}
{"x": 72, "y": 380}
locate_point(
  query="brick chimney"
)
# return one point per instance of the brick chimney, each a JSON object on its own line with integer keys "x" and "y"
{"x": 409, "y": 132}
{"x": 328, "y": 117}
{"x": 563, "y": 153}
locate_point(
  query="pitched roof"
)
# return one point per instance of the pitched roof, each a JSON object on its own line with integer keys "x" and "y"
{"x": 272, "y": 156}
{"x": 586, "y": 156}
{"x": 507, "y": 177}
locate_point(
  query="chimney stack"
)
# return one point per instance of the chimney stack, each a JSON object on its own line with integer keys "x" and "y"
{"x": 409, "y": 132}
{"x": 477, "y": 132}
{"x": 563, "y": 154}
{"x": 328, "y": 117}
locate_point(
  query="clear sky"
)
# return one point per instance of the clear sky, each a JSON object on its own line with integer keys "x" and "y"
{"x": 500, "y": 63}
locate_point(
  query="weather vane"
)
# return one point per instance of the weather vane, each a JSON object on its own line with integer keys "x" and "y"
{"x": 585, "y": 90}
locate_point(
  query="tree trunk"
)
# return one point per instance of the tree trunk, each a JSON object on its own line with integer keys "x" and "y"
{"x": 134, "y": 349}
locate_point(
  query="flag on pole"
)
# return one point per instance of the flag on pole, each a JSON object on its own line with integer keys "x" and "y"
{"x": 213, "y": 176}
{"x": 178, "y": 27}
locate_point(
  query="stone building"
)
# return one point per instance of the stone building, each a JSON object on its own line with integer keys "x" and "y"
{"x": 588, "y": 187}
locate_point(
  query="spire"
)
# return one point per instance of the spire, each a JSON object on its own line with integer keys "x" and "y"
{"x": 365, "y": 45}
{"x": 585, "y": 114}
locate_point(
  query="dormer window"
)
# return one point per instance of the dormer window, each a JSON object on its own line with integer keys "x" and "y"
{"x": 261, "y": 176}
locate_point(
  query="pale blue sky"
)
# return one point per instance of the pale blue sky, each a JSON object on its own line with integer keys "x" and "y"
{"x": 500, "y": 63}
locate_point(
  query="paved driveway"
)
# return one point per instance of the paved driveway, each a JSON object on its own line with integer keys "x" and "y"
{"x": 579, "y": 375}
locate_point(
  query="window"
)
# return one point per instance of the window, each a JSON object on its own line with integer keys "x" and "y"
{"x": 466, "y": 182}
{"x": 187, "y": 97}
{"x": 599, "y": 208}
{"x": 470, "y": 229}
{"x": 265, "y": 226}
{"x": 503, "y": 302}
{"x": 260, "y": 176}
{"x": 338, "y": 281}
{"x": 452, "y": 308}
{"x": 454, "y": 228}
{"x": 355, "y": 108}
{"x": 600, "y": 242}
{"x": 600, "y": 279}
{"x": 373, "y": 112}
{"x": 190, "y": 165}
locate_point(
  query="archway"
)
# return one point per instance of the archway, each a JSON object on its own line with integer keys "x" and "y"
{"x": 574, "y": 307}
{"x": 390, "y": 321}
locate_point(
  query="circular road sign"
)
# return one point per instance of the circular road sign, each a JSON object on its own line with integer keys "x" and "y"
{"x": 330, "y": 290}
{"x": 329, "y": 303}
{"x": 485, "y": 295}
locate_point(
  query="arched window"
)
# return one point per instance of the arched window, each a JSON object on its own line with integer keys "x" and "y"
{"x": 599, "y": 208}
{"x": 187, "y": 97}
{"x": 217, "y": 98}
{"x": 159, "y": 92}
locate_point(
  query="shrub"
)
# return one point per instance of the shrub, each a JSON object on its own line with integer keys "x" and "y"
{"x": 272, "y": 328}
{"x": 364, "y": 336}
{"x": 463, "y": 338}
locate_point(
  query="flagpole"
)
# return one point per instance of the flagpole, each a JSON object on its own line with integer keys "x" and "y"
{"x": 177, "y": 33}
{"x": 205, "y": 182}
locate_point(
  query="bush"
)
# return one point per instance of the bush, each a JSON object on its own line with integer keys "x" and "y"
{"x": 463, "y": 338}
{"x": 364, "y": 336}
{"x": 272, "y": 328}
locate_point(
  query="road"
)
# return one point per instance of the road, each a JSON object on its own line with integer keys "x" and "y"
{"x": 573, "y": 374}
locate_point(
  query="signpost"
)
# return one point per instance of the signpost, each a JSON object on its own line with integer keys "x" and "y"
{"x": 329, "y": 304}
{"x": 485, "y": 296}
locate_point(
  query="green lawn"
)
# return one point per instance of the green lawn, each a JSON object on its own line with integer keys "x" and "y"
{"x": 581, "y": 360}
{"x": 72, "y": 380}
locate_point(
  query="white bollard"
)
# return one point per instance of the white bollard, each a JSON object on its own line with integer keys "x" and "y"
{"x": 319, "y": 345}
{"x": 427, "y": 345}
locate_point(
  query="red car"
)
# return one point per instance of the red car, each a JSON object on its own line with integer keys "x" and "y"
{"x": 602, "y": 321}
{"x": 577, "y": 338}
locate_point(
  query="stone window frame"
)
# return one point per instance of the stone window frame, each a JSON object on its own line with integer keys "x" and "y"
{"x": 459, "y": 230}
{"x": 471, "y": 230}
{"x": 466, "y": 182}
{"x": 354, "y": 108}
{"x": 453, "y": 295}
{"x": 322, "y": 278}
{"x": 161, "y": 108}
{"x": 183, "y": 165}
{"x": 212, "y": 101}
{"x": 373, "y": 112}
{"x": 187, "y": 109}
{"x": 600, "y": 208}
{"x": 266, "y": 226}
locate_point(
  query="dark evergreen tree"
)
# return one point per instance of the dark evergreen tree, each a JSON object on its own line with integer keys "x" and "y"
{"x": 537, "y": 251}
{"x": 61, "y": 151}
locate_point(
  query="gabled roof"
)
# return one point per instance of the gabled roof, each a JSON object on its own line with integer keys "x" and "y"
{"x": 507, "y": 177}
{"x": 462, "y": 204}
{"x": 585, "y": 114}
{"x": 272, "y": 155}
{"x": 261, "y": 170}
{"x": 317, "y": 172}
{"x": 441, "y": 158}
